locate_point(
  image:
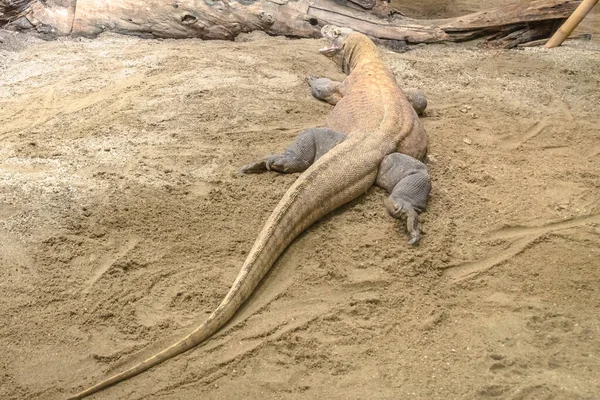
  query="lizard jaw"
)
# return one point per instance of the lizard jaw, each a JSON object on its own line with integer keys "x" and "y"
{"x": 330, "y": 51}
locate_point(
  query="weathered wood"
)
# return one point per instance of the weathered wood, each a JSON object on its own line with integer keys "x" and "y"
{"x": 12, "y": 9}
{"x": 226, "y": 19}
{"x": 541, "y": 42}
{"x": 366, "y": 4}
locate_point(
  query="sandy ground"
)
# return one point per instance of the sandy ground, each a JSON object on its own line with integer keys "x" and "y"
{"x": 123, "y": 222}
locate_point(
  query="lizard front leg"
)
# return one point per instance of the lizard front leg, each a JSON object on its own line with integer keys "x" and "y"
{"x": 417, "y": 99}
{"x": 326, "y": 89}
{"x": 307, "y": 148}
{"x": 332, "y": 91}
{"x": 407, "y": 181}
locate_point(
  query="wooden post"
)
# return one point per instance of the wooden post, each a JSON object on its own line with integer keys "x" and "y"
{"x": 564, "y": 31}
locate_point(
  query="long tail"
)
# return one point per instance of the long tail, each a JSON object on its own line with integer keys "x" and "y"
{"x": 340, "y": 176}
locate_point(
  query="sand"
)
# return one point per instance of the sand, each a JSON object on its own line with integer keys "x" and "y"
{"x": 124, "y": 220}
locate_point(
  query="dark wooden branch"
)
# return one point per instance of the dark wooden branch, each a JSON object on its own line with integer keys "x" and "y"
{"x": 225, "y": 19}
{"x": 11, "y": 10}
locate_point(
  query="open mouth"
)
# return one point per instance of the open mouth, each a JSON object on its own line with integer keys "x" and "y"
{"x": 329, "y": 51}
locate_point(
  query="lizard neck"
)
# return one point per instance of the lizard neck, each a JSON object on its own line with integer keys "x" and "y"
{"x": 360, "y": 54}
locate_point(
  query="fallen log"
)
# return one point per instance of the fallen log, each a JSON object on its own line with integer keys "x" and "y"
{"x": 226, "y": 19}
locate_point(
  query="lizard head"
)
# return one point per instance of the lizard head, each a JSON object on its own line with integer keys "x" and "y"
{"x": 337, "y": 38}
{"x": 346, "y": 46}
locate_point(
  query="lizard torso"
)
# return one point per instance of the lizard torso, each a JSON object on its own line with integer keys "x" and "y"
{"x": 374, "y": 104}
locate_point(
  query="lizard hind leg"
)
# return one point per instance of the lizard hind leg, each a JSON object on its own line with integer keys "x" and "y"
{"x": 308, "y": 147}
{"x": 407, "y": 181}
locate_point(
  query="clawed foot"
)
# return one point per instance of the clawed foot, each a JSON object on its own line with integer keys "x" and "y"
{"x": 277, "y": 162}
{"x": 310, "y": 79}
{"x": 254, "y": 168}
{"x": 325, "y": 89}
{"x": 404, "y": 209}
{"x": 261, "y": 166}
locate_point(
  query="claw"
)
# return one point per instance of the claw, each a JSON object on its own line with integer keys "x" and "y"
{"x": 413, "y": 226}
{"x": 404, "y": 210}
{"x": 252, "y": 168}
{"x": 415, "y": 240}
{"x": 398, "y": 211}
{"x": 255, "y": 168}
{"x": 394, "y": 209}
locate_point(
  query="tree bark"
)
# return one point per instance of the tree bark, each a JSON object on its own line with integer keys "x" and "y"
{"x": 226, "y": 19}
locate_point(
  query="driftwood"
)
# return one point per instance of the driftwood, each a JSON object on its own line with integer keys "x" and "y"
{"x": 226, "y": 19}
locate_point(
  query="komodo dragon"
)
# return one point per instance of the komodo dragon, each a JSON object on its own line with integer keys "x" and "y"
{"x": 371, "y": 137}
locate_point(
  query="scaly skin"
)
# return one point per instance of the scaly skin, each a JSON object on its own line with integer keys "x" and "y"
{"x": 373, "y": 103}
{"x": 378, "y": 120}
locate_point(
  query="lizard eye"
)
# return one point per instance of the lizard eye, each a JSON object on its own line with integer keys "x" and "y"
{"x": 337, "y": 33}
